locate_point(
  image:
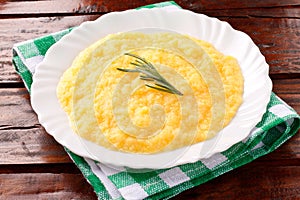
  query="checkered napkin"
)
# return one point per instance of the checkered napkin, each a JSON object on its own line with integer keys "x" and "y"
{"x": 279, "y": 123}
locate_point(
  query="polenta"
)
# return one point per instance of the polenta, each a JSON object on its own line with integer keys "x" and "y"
{"x": 117, "y": 111}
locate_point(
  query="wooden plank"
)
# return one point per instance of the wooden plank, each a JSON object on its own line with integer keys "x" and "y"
{"x": 34, "y": 166}
{"x": 286, "y": 155}
{"x": 15, "y": 110}
{"x": 35, "y": 146}
{"x": 30, "y": 146}
{"x": 23, "y": 140}
{"x": 271, "y": 12}
{"x": 12, "y": 100}
{"x": 286, "y": 86}
{"x": 292, "y": 99}
{"x": 248, "y": 182}
{"x": 25, "y": 29}
{"x": 94, "y": 6}
{"x": 235, "y": 4}
{"x": 45, "y": 186}
{"x": 276, "y": 38}
{"x": 69, "y": 168}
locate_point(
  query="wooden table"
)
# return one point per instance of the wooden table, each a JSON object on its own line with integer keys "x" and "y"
{"x": 34, "y": 166}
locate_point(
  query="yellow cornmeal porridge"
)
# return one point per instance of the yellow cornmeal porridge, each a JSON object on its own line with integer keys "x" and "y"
{"x": 116, "y": 110}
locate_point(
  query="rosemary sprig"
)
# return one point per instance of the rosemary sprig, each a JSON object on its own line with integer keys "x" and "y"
{"x": 149, "y": 73}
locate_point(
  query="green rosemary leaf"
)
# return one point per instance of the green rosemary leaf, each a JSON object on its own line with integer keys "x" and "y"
{"x": 128, "y": 70}
{"x": 162, "y": 85}
{"x": 146, "y": 78}
{"x": 160, "y": 89}
{"x": 149, "y": 73}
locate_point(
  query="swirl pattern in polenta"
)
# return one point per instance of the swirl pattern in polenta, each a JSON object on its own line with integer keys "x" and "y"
{"x": 117, "y": 111}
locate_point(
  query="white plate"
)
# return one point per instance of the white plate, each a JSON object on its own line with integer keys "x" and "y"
{"x": 257, "y": 85}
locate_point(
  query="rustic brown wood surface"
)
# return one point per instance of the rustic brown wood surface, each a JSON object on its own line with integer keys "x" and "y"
{"x": 34, "y": 166}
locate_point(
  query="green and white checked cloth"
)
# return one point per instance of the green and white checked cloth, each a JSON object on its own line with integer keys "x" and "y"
{"x": 279, "y": 123}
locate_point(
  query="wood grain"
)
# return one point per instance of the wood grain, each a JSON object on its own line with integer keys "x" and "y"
{"x": 268, "y": 12}
{"x": 286, "y": 155}
{"x": 13, "y": 8}
{"x": 45, "y": 186}
{"x": 278, "y": 40}
{"x": 25, "y": 29}
{"x": 287, "y": 86}
{"x": 69, "y": 168}
{"x": 34, "y": 166}
{"x": 24, "y": 141}
{"x": 22, "y": 138}
{"x": 15, "y": 110}
{"x": 292, "y": 100}
{"x": 30, "y": 146}
{"x": 248, "y": 182}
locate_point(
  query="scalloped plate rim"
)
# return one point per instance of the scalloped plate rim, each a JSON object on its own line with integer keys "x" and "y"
{"x": 125, "y": 159}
